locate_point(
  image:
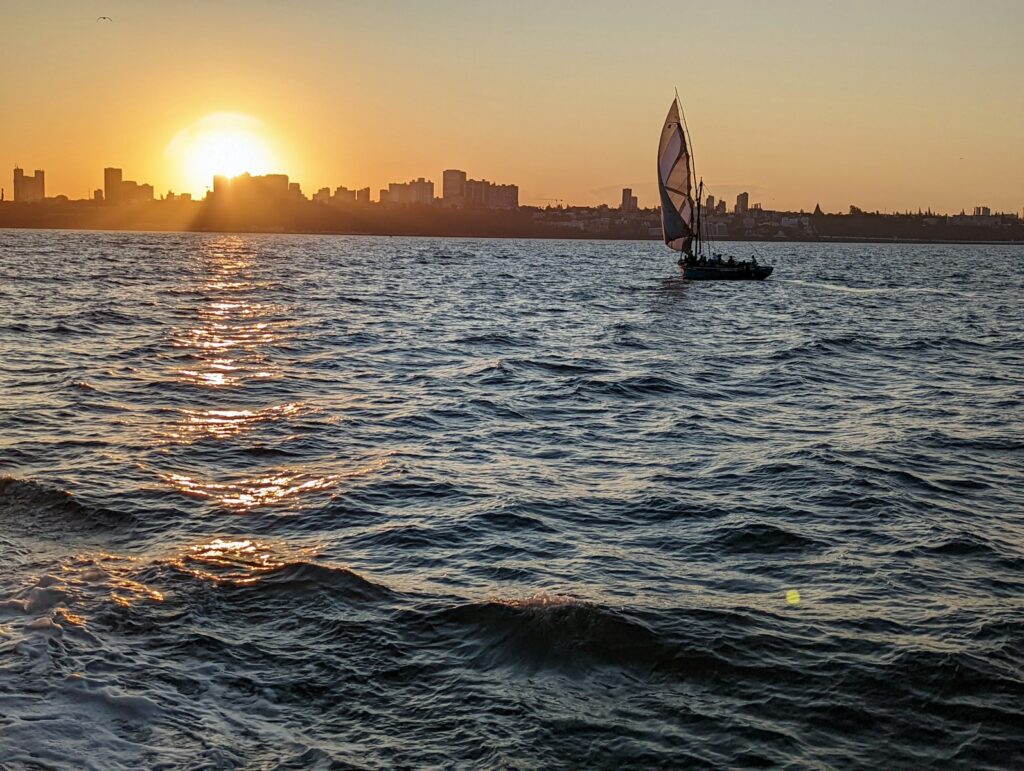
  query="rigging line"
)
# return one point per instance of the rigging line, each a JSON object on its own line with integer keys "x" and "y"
{"x": 689, "y": 141}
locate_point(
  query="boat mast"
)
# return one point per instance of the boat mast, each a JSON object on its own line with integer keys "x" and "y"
{"x": 700, "y": 239}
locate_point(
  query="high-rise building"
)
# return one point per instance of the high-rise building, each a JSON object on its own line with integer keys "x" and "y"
{"x": 742, "y": 202}
{"x": 116, "y": 189}
{"x": 112, "y": 185}
{"x": 483, "y": 194}
{"x": 460, "y": 192}
{"x": 629, "y": 202}
{"x": 507, "y": 197}
{"x": 710, "y": 205}
{"x": 363, "y": 196}
{"x": 343, "y": 196}
{"x": 29, "y": 189}
{"x": 422, "y": 191}
{"x": 453, "y": 190}
{"x": 418, "y": 191}
{"x": 323, "y": 195}
{"x": 248, "y": 192}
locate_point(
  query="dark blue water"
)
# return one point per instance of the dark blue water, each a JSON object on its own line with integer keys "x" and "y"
{"x": 322, "y": 501}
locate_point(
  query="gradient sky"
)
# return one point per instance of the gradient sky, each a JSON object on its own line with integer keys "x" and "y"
{"x": 887, "y": 105}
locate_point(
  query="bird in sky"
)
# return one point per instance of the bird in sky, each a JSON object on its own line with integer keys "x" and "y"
{"x": 103, "y": 18}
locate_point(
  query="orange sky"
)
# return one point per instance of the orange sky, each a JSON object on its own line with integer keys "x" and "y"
{"x": 887, "y": 105}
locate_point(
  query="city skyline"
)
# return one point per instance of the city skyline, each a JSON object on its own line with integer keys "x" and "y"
{"x": 889, "y": 108}
{"x": 458, "y": 191}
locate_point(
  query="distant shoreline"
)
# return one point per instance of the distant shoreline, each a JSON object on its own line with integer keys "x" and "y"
{"x": 576, "y": 235}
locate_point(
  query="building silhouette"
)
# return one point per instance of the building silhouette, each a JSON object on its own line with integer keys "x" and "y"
{"x": 29, "y": 189}
{"x": 459, "y": 192}
{"x": 418, "y": 191}
{"x": 112, "y": 185}
{"x": 118, "y": 190}
{"x": 483, "y": 194}
{"x": 742, "y": 203}
{"x": 246, "y": 189}
{"x": 453, "y": 190}
{"x": 629, "y": 201}
{"x": 345, "y": 197}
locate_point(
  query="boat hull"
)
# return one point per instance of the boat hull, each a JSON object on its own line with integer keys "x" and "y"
{"x": 726, "y": 272}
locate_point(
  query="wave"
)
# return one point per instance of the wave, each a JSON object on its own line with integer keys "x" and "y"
{"x": 554, "y": 632}
{"x": 577, "y": 637}
{"x": 494, "y": 338}
{"x": 965, "y": 546}
{"x": 302, "y": 577}
{"x": 47, "y": 510}
{"x": 630, "y": 387}
{"x": 755, "y": 537}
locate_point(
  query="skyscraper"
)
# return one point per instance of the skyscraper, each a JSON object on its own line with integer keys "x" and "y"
{"x": 453, "y": 187}
{"x": 629, "y": 201}
{"x": 112, "y": 179}
{"x": 29, "y": 189}
{"x": 742, "y": 202}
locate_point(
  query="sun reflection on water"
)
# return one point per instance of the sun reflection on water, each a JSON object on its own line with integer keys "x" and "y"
{"x": 227, "y": 423}
{"x": 255, "y": 492}
{"x": 237, "y": 327}
{"x": 232, "y": 330}
{"x": 238, "y": 561}
{"x": 282, "y": 487}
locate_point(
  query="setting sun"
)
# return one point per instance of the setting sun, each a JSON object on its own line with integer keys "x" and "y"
{"x": 223, "y": 143}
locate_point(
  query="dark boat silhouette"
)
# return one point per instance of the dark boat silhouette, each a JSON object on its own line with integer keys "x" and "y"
{"x": 681, "y": 220}
{"x": 700, "y": 269}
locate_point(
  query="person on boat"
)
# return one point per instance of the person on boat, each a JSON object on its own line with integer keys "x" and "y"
{"x": 732, "y": 260}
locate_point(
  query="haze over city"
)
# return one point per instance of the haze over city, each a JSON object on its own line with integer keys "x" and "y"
{"x": 886, "y": 106}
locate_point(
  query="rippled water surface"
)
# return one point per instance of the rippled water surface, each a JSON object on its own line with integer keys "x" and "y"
{"x": 376, "y": 502}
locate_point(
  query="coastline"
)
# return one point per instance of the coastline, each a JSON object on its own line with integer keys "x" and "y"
{"x": 576, "y": 235}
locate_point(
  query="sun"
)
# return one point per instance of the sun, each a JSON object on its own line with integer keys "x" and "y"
{"x": 227, "y": 143}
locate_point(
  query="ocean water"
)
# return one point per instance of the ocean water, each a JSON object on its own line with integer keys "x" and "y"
{"x": 289, "y": 501}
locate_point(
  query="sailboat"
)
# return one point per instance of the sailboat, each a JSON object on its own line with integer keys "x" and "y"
{"x": 681, "y": 220}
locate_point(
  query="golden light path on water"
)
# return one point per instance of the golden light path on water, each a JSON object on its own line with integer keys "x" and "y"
{"x": 240, "y": 561}
{"x": 231, "y": 343}
{"x": 252, "y": 492}
{"x": 225, "y": 423}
